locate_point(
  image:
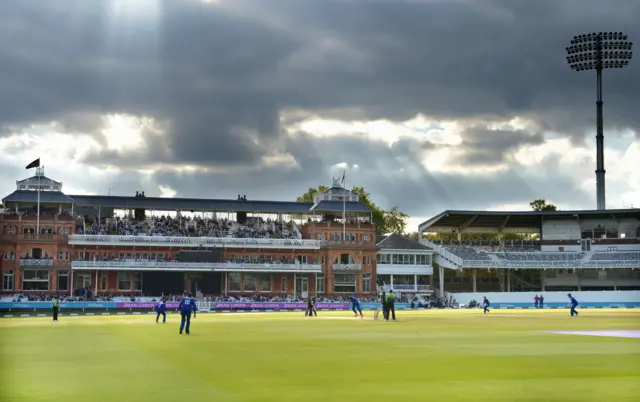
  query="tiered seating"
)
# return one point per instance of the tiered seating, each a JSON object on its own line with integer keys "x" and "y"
{"x": 541, "y": 257}
{"x": 468, "y": 253}
{"x": 616, "y": 256}
{"x": 256, "y": 228}
{"x": 526, "y": 246}
{"x": 521, "y": 249}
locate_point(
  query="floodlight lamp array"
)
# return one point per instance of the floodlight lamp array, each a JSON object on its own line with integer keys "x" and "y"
{"x": 599, "y": 50}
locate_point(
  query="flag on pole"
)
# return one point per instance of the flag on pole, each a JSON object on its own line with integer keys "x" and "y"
{"x": 344, "y": 207}
{"x": 34, "y": 164}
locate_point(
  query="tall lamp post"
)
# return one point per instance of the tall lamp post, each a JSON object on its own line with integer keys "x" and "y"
{"x": 597, "y": 51}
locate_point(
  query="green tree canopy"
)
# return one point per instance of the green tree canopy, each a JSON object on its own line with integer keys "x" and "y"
{"x": 542, "y": 205}
{"x": 386, "y": 221}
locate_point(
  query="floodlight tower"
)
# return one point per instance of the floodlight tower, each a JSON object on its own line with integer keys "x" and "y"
{"x": 597, "y": 51}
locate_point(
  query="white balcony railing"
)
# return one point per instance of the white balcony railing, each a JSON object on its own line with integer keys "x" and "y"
{"x": 477, "y": 264}
{"x": 406, "y": 288}
{"x": 612, "y": 264}
{"x": 546, "y": 264}
{"x": 36, "y": 262}
{"x": 171, "y": 241}
{"x": 192, "y": 266}
{"x": 347, "y": 267}
{"x": 397, "y": 269}
{"x": 443, "y": 252}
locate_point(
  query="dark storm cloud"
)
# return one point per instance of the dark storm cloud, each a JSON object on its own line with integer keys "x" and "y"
{"x": 483, "y": 146}
{"x": 207, "y": 76}
{"x": 220, "y": 76}
{"x": 454, "y": 58}
{"x": 395, "y": 177}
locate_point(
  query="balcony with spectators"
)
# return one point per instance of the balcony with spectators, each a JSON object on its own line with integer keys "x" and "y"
{"x": 191, "y": 232}
{"x": 253, "y": 228}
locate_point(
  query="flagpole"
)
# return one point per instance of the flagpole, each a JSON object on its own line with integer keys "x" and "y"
{"x": 38, "y": 212}
{"x": 344, "y": 207}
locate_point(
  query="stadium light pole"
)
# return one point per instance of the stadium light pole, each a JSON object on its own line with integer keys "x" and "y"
{"x": 597, "y": 51}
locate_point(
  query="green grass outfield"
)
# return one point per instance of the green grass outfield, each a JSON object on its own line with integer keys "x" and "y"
{"x": 444, "y": 355}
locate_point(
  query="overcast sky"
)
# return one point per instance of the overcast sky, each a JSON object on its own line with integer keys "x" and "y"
{"x": 430, "y": 105}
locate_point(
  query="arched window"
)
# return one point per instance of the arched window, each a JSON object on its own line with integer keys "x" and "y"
{"x": 344, "y": 259}
{"x": 36, "y": 253}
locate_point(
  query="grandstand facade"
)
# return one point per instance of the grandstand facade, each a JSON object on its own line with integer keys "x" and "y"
{"x": 479, "y": 251}
{"x": 142, "y": 245}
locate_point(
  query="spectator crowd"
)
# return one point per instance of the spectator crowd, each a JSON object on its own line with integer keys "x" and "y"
{"x": 86, "y": 295}
{"x": 253, "y": 227}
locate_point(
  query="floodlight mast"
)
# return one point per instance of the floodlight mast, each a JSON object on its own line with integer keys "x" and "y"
{"x": 597, "y": 51}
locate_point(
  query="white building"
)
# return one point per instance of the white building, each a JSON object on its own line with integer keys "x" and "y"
{"x": 404, "y": 265}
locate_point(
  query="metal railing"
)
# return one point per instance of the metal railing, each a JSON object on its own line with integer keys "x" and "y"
{"x": 612, "y": 264}
{"x": 193, "y": 266}
{"x": 41, "y": 238}
{"x": 176, "y": 241}
{"x": 533, "y": 260}
{"x": 36, "y": 262}
{"x": 477, "y": 264}
{"x": 443, "y": 252}
{"x": 347, "y": 267}
{"x": 406, "y": 287}
{"x": 559, "y": 264}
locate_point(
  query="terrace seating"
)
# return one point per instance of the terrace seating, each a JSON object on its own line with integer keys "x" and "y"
{"x": 468, "y": 253}
{"x": 616, "y": 256}
{"x": 541, "y": 256}
{"x": 521, "y": 249}
{"x": 255, "y": 227}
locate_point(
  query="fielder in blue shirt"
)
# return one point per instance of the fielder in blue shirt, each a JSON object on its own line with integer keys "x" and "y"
{"x": 186, "y": 307}
{"x": 355, "y": 306}
{"x": 161, "y": 310}
{"x": 574, "y": 304}
{"x": 486, "y": 304}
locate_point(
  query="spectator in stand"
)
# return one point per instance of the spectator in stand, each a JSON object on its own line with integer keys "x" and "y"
{"x": 254, "y": 227}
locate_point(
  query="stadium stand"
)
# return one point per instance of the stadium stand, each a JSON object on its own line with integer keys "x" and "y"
{"x": 469, "y": 253}
{"x": 83, "y": 245}
{"x": 539, "y": 257}
{"x": 255, "y": 227}
{"x": 615, "y": 256}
